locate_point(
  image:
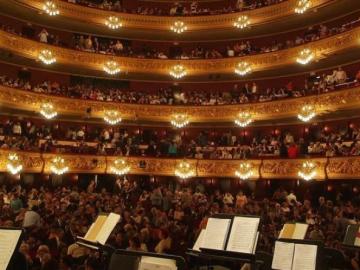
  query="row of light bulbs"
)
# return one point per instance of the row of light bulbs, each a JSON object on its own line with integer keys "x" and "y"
{"x": 178, "y": 27}
{"x": 179, "y": 71}
{"x": 179, "y": 120}
{"x": 183, "y": 169}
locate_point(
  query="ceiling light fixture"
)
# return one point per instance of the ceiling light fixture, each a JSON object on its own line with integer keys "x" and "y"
{"x": 245, "y": 171}
{"x": 307, "y": 113}
{"x": 302, "y": 6}
{"x": 178, "y": 27}
{"x": 243, "y": 68}
{"x": 120, "y": 167}
{"x": 113, "y": 22}
{"x": 47, "y": 57}
{"x": 242, "y": 22}
{"x": 307, "y": 171}
{"x": 112, "y": 117}
{"x": 305, "y": 56}
{"x": 48, "y": 111}
{"x": 243, "y": 119}
{"x": 13, "y": 164}
{"x": 184, "y": 170}
{"x": 178, "y": 71}
{"x": 58, "y": 166}
{"x": 111, "y": 67}
{"x": 179, "y": 120}
{"x": 50, "y": 8}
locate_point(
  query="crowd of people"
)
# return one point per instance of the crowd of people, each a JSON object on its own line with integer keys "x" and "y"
{"x": 162, "y": 218}
{"x": 247, "y": 93}
{"x": 177, "y": 8}
{"x": 125, "y": 48}
{"x": 25, "y": 134}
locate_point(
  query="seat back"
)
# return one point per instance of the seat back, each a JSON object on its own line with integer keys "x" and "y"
{"x": 120, "y": 261}
{"x": 334, "y": 258}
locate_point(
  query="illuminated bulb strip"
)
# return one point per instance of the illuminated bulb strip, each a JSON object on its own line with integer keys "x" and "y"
{"x": 243, "y": 119}
{"x": 308, "y": 171}
{"x": 178, "y": 27}
{"x": 48, "y": 111}
{"x": 112, "y": 117}
{"x": 179, "y": 120}
{"x": 242, "y": 22}
{"x": 111, "y": 67}
{"x": 120, "y": 167}
{"x": 58, "y": 166}
{"x": 47, "y": 57}
{"x": 305, "y": 57}
{"x": 307, "y": 113}
{"x": 243, "y": 68}
{"x": 50, "y": 8}
{"x": 245, "y": 171}
{"x": 113, "y": 22}
{"x": 13, "y": 165}
{"x": 178, "y": 71}
{"x": 302, "y": 6}
{"x": 184, "y": 170}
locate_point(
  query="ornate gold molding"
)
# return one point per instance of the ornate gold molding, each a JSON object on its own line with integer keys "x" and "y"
{"x": 86, "y": 60}
{"x": 324, "y": 103}
{"x": 333, "y": 168}
{"x": 98, "y": 16}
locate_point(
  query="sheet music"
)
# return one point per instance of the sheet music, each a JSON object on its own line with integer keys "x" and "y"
{"x": 305, "y": 257}
{"x": 154, "y": 263}
{"x": 300, "y": 231}
{"x": 216, "y": 233}
{"x": 287, "y": 231}
{"x": 8, "y": 242}
{"x": 199, "y": 241}
{"x": 243, "y": 234}
{"x": 107, "y": 228}
{"x": 95, "y": 228}
{"x": 283, "y": 256}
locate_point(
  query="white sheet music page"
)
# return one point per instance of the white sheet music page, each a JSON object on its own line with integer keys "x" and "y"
{"x": 199, "y": 241}
{"x": 305, "y": 257}
{"x": 154, "y": 263}
{"x": 107, "y": 228}
{"x": 300, "y": 231}
{"x": 283, "y": 256}
{"x": 243, "y": 234}
{"x": 8, "y": 242}
{"x": 216, "y": 233}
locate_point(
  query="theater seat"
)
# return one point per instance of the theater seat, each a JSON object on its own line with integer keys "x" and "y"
{"x": 334, "y": 259}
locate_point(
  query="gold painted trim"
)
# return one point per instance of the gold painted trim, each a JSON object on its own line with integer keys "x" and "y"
{"x": 324, "y": 103}
{"x": 195, "y": 23}
{"x": 327, "y": 168}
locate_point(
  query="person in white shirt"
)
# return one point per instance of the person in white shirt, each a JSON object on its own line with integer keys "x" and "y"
{"x": 31, "y": 218}
{"x": 43, "y": 36}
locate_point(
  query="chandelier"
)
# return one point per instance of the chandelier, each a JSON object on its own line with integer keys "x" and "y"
{"x": 48, "y": 111}
{"x": 14, "y": 165}
{"x": 112, "y": 117}
{"x": 184, "y": 170}
{"x": 178, "y": 27}
{"x": 307, "y": 171}
{"x": 58, "y": 166}
{"x": 302, "y": 6}
{"x": 50, "y": 8}
{"x": 305, "y": 57}
{"x": 307, "y": 113}
{"x": 242, "y": 22}
{"x": 47, "y": 57}
{"x": 178, "y": 71}
{"x": 243, "y": 68}
{"x": 120, "y": 167}
{"x": 245, "y": 171}
{"x": 243, "y": 119}
{"x": 179, "y": 120}
{"x": 113, "y": 22}
{"x": 111, "y": 67}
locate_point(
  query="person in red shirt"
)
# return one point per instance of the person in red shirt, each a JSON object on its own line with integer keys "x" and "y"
{"x": 293, "y": 151}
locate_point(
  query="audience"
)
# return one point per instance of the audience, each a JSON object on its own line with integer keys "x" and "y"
{"x": 169, "y": 224}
